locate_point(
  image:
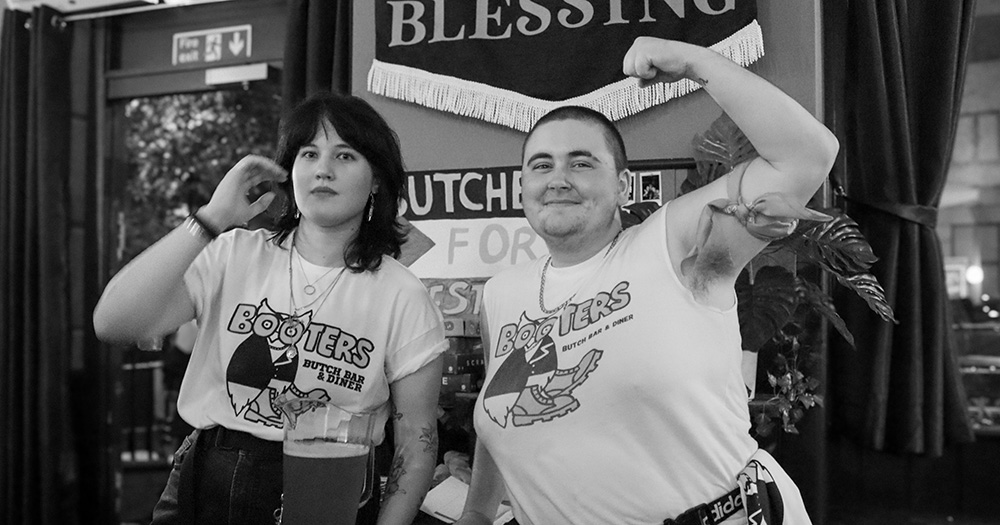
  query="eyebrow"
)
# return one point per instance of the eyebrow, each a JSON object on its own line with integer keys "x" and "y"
{"x": 338, "y": 145}
{"x": 572, "y": 154}
{"x": 583, "y": 153}
{"x": 541, "y": 155}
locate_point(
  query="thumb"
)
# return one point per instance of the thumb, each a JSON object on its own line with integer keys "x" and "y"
{"x": 261, "y": 204}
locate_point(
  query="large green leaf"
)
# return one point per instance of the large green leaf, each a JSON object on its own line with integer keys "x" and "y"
{"x": 819, "y": 301}
{"x": 716, "y": 151}
{"x": 637, "y": 212}
{"x": 868, "y": 288}
{"x": 838, "y": 244}
{"x": 765, "y": 305}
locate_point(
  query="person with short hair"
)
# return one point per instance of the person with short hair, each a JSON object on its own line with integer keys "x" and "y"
{"x": 614, "y": 391}
{"x": 319, "y": 308}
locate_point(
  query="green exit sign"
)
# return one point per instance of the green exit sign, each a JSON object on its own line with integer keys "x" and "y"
{"x": 208, "y": 46}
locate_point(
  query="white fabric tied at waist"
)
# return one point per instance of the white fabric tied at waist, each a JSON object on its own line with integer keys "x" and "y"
{"x": 769, "y": 495}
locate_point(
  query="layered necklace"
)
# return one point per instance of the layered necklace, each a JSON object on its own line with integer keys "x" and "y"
{"x": 545, "y": 269}
{"x": 309, "y": 289}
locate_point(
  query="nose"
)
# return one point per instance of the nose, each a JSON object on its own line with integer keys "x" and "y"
{"x": 557, "y": 178}
{"x": 324, "y": 171}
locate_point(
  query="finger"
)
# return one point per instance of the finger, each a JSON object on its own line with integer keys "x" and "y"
{"x": 644, "y": 68}
{"x": 258, "y": 206}
{"x": 628, "y": 62}
{"x": 261, "y": 170}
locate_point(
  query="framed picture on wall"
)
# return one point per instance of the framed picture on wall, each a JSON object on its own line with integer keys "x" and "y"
{"x": 658, "y": 180}
{"x": 649, "y": 186}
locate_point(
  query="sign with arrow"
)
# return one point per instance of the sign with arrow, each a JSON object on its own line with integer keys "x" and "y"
{"x": 212, "y": 46}
{"x": 467, "y": 223}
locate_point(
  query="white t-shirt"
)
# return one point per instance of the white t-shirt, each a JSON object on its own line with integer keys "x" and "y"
{"x": 347, "y": 346}
{"x": 627, "y": 406}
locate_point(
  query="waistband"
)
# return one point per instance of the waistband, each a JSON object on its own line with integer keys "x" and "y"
{"x": 222, "y": 437}
{"x": 711, "y": 513}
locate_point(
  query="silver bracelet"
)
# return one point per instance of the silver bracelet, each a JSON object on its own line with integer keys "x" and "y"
{"x": 197, "y": 228}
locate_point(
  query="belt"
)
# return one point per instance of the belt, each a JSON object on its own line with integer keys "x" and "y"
{"x": 711, "y": 513}
{"x": 220, "y": 436}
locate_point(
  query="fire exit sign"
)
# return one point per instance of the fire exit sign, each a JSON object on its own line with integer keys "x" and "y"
{"x": 208, "y": 46}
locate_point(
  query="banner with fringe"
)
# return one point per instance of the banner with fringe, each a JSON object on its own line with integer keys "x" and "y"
{"x": 510, "y": 61}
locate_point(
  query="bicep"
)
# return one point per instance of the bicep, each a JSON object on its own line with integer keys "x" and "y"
{"x": 177, "y": 310}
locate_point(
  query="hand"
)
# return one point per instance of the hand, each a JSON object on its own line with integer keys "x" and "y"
{"x": 653, "y": 60}
{"x": 229, "y": 205}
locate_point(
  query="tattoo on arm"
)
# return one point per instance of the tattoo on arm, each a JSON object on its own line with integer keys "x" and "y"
{"x": 429, "y": 437}
{"x": 702, "y": 81}
{"x": 396, "y": 414}
{"x": 392, "y": 483}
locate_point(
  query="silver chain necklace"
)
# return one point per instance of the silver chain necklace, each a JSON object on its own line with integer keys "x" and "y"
{"x": 541, "y": 289}
{"x": 291, "y": 294}
{"x": 309, "y": 288}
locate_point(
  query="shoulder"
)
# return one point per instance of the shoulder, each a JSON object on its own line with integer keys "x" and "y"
{"x": 515, "y": 276}
{"x": 393, "y": 275}
{"x": 243, "y": 239}
{"x": 239, "y": 245}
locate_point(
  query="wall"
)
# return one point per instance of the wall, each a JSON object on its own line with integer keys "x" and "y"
{"x": 437, "y": 140}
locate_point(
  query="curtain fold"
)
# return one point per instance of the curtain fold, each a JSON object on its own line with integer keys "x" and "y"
{"x": 903, "y": 71}
{"x": 37, "y": 461}
{"x": 317, "y": 49}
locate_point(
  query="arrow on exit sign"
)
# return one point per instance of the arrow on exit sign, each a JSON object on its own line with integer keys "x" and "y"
{"x": 207, "y": 46}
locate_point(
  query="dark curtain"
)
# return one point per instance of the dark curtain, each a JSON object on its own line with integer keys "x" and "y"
{"x": 37, "y": 462}
{"x": 317, "y": 49}
{"x": 900, "y": 71}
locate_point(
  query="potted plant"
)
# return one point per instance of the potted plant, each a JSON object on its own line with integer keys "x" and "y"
{"x": 778, "y": 299}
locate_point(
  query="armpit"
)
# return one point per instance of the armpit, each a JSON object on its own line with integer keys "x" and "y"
{"x": 768, "y": 218}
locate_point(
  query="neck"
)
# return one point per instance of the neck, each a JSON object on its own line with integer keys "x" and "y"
{"x": 572, "y": 251}
{"x": 323, "y": 246}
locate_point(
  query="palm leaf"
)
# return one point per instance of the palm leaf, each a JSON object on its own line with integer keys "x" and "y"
{"x": 868, "y": 288}
{"x": 766, "y": 305}
{"x": 637, "y": 212}
{"x": 838, "y": 245}
{"x": 716, "y": 152}
{"x": 815, "y": 297}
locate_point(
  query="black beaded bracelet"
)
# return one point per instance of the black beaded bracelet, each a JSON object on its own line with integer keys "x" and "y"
{"x": 194, "y": 222}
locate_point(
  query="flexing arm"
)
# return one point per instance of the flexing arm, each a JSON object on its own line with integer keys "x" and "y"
{"x": 414, "y": 400}
{"x": 148, "y": 297}
{"x": 487, "y": 488}
{"x": 796, "y": 151}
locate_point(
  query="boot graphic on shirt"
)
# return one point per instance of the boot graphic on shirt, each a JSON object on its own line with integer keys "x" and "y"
{"x": 262, "y": 368}
{"x": 528, "y": 387}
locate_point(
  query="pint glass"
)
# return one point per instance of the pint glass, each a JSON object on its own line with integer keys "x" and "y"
{"x": 328, "y": 462}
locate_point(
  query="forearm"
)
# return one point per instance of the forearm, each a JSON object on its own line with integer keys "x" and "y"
{"x": 783, "y": 132}
{"x": 486, "y": 490}
{"x": 409, "y": 479}
{"x": 148, "y": 295}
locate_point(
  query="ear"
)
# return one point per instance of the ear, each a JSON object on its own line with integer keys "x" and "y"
{"x": 624, "y": 186}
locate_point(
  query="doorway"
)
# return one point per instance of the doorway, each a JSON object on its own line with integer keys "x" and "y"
{"x": 169, "y": 152}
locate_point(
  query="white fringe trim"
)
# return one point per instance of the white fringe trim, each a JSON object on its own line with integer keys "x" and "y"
{"x": 514, "y": 110}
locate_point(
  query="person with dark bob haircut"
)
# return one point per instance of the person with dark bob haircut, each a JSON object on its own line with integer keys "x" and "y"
{"x": 359, "y": 125}
{"x": 317, "y": 308}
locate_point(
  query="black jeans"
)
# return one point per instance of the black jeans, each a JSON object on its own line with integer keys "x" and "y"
{"x": 228, "y": 486}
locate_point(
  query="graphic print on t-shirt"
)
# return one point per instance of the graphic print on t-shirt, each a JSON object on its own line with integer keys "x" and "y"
{"x": 281, "y": 353}
{"x": 534, "y": 384}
